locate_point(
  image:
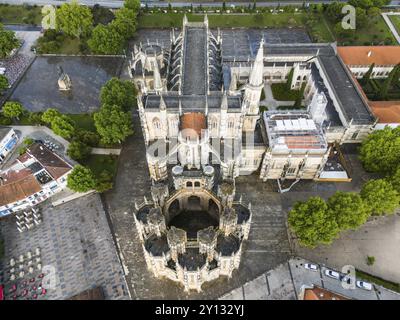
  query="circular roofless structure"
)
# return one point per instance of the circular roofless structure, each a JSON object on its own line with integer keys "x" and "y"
{"x": 193, "y": 213}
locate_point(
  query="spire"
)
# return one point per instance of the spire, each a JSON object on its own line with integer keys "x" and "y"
{"x": 173, "y": 36}
{"x": 185, "y": 20}
{"x": 163, "y": 106}
{"x": 157, "y": 78}
{"x": 206, "y": 105}
{"x": 224, "y": 103}
{"x": 256, "y": 75}
{"x": 180, "y": 107}
{"x": 206, "y": 20}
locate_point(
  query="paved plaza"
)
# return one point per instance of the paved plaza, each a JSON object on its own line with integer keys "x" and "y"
{"x": 38, "y": 89}
{"x": 75, "y": 239}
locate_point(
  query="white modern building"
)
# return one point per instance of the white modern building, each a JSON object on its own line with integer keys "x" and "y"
{"x": 8, "y": 140}
{"x": 35, "y": 176}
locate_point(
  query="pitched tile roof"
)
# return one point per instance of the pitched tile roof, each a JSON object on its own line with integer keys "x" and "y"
{"x": 195, "y": 121}
{"x": 366, "y": 55}
{"x": 386, "y": 111}
{"x": 49, "y": 160}
{"x": 18, "y": 189}
{"x": 318, "y": 293}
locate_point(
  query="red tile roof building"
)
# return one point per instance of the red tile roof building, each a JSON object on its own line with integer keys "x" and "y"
{"x": 33, "y": 177}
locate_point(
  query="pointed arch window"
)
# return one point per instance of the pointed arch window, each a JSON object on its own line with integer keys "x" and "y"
{"x": 156, "y": 124}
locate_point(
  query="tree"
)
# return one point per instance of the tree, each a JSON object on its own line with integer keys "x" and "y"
{"x": 380, "y": 196}
{"x": 132, "y": 5}
{"x": 380, "y": 151}
{"x": 88, "y": 137}
{"x": 81, "y": 179}
{"x": 395, "y": 180}
{"x": 12, "y": 109}
{"x": 367, "y": 75}
{"x": 113, "y": 124}
{"x": 392, "y": 78}
{"x": 313, "y": 223}
{"x": 49, "y": 115}
{"x": 78, "y": 150}
{"x": 349, "y": 210}
{"x": 8, "y": 42}
{"x": 63, "y": 126}
{"x": 35, "y": 118}
{"x": 125, "y": 22}
{"x": 289, "y": 79}
{"x": 106, "y": 40}
{"x": 361, "y": 18}
{"x": 101, "y": 15}
{"x": 118, "y": 92}
{"x": 299, "y": 99}
{"x": 374, "y": 12}
{"x": 104, "y": 181}
{"x": 3, "y": 83}
{"x": 334, "y": 11}
{"x": 74, "y": 20}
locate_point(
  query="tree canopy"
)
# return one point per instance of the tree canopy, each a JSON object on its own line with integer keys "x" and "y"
{"x": 12, "y": 109}
{"x": 125, "y": 22}
{"x": 380, "y": 196}
{"x": 118, "y": 92}
{"x": 380, "y": 151}
{"x": 74, "y": 20}
{"x": 49, "y": 115}
{"x": 78, "y": 150}
{"x": 132, "y": 5}
{"x": 8, "y": 41}
{"x": 313, "y": 223}
{"x": 81, "y": 179}
{"x": 113, "y": 124}
{"x": 348, "y": 209}
{"x": 106, "y": 40}
{"x": 63, "y": 126}
{"x": 3, "y": 83}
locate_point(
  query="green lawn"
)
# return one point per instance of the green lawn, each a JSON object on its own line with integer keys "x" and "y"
{"x": 375, "y": 33}
{"x": 317, "y": 29}
{"x": 98, "y": 163}
{"x": 280, "y": 92}
{"x": 396, "y": 21}
{"x": 20, "y": 14}
{"x": 384, "y": 283}
{"x": 168, "y": 20}
{"x": 83, "y": 121}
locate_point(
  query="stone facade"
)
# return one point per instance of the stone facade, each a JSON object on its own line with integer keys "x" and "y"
{"x": 179, "y": 247}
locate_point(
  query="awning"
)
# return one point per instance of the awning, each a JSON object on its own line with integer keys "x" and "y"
{"x": 333, "y": 175}
{"x": 11, "y": 143}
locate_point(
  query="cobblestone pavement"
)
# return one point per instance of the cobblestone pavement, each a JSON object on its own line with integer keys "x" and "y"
{"x": 266, "y": 248}
{"x": 285, "y": 282}
{"x": 75, "y": 239}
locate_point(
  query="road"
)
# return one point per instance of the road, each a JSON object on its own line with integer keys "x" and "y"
{"x": 119, "y": 3}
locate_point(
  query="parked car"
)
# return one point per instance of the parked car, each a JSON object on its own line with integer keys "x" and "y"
{"x": 310, "y": 266}
{"x": 332, "y": 274}
{"x": 364, "y": 285}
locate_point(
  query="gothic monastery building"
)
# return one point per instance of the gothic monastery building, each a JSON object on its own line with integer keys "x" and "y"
{"x": 199, "y": 106}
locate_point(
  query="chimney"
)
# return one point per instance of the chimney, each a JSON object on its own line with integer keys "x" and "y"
{"x": 369, "y": 53}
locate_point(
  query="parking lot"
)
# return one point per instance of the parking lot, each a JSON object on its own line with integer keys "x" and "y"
{"x": 285, "y": 282}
